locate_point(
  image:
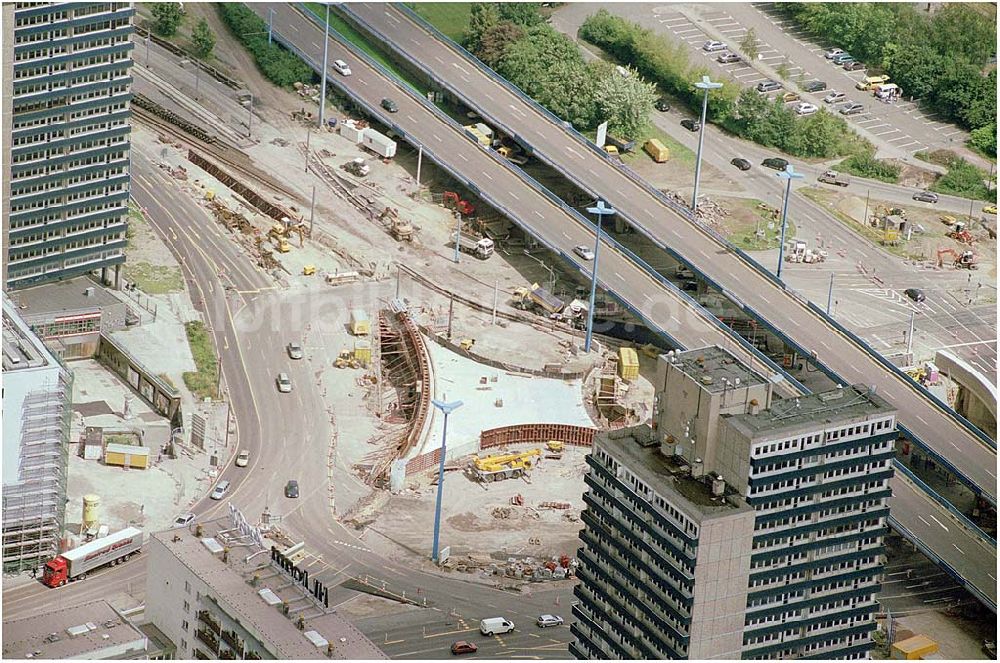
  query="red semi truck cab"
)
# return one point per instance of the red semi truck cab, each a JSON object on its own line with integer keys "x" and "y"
{"x": 56, "y": 572}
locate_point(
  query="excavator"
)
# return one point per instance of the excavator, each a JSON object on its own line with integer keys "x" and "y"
{"x": 454, "y": 201}
{"x": 960, "y": 234}
{"x": 964, "y": 260}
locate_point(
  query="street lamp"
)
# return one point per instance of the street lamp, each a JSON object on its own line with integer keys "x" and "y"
{"x": 270, "y": 26}
{"x": 446, "y": 408}
{"x": 326, "y": 50}
{"x": 788, "y": 174}
{"x": 705, "y": 84}
{"x": 601, "y": 210}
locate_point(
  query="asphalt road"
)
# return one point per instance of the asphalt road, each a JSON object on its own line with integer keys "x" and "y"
{"x": 365, "y": 82}
{"x": 778, "y": 307}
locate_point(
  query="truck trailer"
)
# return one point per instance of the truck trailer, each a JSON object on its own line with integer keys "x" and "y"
{"x": 77, "y": 563}
{"x": 378, "y": 143}
{"x": 481, "y": 247}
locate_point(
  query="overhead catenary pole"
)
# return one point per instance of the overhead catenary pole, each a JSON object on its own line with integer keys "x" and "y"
{"x": 250, "y": 121}
{"x": 788, "y": 174}
{"x": 326, "y": 66}
{"x": 312, "y": 210}
{"x": 270, "y": 26}
{"x": 705, "y": 84}
{"x": 148, "y": 34}
{"x": 496, "y": 295}
{"x": 458, "y": 235}
{"x": 909, "y": 334}
{"x": 420, "y": 161}
{"x": 308, "y": 136}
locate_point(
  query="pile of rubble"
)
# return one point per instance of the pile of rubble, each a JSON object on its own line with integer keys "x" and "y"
{"x": 307, "y": 91}
{"x": 521, "y": 568}
{"x": 709, "y": 212}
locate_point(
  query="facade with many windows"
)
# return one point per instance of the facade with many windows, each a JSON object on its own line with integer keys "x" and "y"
{"x": 772, "y": 520}
{"x": 68, "y": 136}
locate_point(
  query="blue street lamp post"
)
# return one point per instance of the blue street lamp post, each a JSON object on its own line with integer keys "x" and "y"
{"x": 600, "y": 210}
{"x": 707, "y": 85}
{"x": 446, "y": 408}
{"x": 788, "y": 174}
{"x": 270, "y": 26}
{"x": 326, "y": 50}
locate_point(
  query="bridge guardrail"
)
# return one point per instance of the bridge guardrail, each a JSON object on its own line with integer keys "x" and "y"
{"x": 684, "y": 212}
{"x": 961, "y": 517}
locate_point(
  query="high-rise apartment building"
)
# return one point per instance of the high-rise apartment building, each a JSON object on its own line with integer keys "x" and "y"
{"x": 752, "y": 528}
{"x": 37, "y": 393}
{"x": 66, "y": 135}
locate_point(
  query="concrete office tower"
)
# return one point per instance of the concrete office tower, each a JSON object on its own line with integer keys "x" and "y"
{"x": 37, "y": 392}
{"x": 816, "y": 470}
{"x": 216, "y": 594}
{"x": 67, "y": 132}
{"x": 667, "y": 508}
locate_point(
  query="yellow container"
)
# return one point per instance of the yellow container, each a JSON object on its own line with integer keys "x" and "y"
{"x": 126, "y": 456}
{"x": 363, "y": 352}
{"x": 628, "y": 363}
{"x": 360, "y": 323}
{"x": 657, "y": 150}
{"x": 914, "y": 649}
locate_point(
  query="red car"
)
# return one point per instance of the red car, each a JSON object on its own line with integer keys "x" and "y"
{"x": 463, "y": 647}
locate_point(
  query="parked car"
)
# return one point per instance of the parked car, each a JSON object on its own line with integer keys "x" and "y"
{"x": 741, "y": 163}
{"x": 728, "y": 57}
{"x": 713, "y": 46}
{"x": 185, "y": 520}
{"x": 495, "y": 625}
{"x": 284, "y": 383}
{"x": 691, "y": 125}
{"x": 464, "y": 647}
{"x": 833, "y": 52}
{"x": 814, "y": 86}
{"x": 834, "y": 97}
{"x": 768, "y": 86}
{"x": 341, "y": 68}
{"x": 916, "y": 294}
{"x": 925, "y": 196}
{"x": 544, "y": 621}
{"x": 852, "y": 108}
{"x": 220, "y": 490}
{"x": 854, "y": 65}
{"x": 806, "y": 108}
{"x": 842, "y": 58}
{"x": 390, "y": 105}
{"x": 243, "y": 458}
{"x": 775, "y": 162}
{"x": 584, "y": 252}
{"x": 294, "y": 350}
{"x": 990, "y": 209}
{"x": 789, "y": 97}
{"x": 662, "y": 105}
{"x": 292, "y": 489}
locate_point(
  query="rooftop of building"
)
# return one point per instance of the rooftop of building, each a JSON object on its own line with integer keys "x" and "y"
{"x": 715, "y": 368}
{"x": 638, "y": 448}
{"x": 62, "y": 297}
{"x": 817, "y": 410}
{"x": 229, "y": 580}
{"x": 22, "y": 350}
{"x": 74, "y": 632}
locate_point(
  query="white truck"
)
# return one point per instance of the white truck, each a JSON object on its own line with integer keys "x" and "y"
{"x": 379, "y": 143}
{"x": 481, "y": 247}
{"x": 75, "y": 564}
{"x": 835, "y": 178}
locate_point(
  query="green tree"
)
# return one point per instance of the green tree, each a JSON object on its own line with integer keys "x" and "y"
{"x": 749, "y": 45}
{"x": 203, "y": 39}
{"x": 817, "y": 135}
{"x": 984, "y": 140}
{"x": 965, "y": 31}
{"x": 483, "y": 17}
{"x": 167, "y": 17}
{"x": 625, "y": 102}
{"x": 915, "y": 69}
{"x": 782, "y": 69}
{"x": 522, "y": 13}
{"x": 493, "y": 42}
{"x": 963, "y": 179}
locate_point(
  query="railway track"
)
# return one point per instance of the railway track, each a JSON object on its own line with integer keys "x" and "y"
{"x": 232, "y": 158}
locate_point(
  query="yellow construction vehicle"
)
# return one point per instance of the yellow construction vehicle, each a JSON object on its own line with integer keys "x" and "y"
{"x": 467, "y": 343}
{"x": 948, "y": 220}
{"x": 506, "y": 466}
{"x": 554, "y": 446}
{"x": 282, "y": 245}
{"x": 309, "y": 270}
{"x": 346, "y": 359}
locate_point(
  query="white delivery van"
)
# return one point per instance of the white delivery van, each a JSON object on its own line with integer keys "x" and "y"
{"x": 495, "y": 625}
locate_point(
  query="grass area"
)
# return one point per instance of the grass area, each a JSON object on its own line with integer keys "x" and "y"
{"x": 451, "y": 18}
{"x": 362, "y": 42}
{"x": 937, "y": 157}
{"x": 746, "y": 218}
{"x": 204, "y": 381}
{"x": 865, "y": 165}
{"x": 678, "y": 152}
{"x": 823, "y": 198}
{"x": 154, "y": 279}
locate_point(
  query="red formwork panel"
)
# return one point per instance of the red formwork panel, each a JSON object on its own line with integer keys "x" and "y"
{"x": 580, "y": 436}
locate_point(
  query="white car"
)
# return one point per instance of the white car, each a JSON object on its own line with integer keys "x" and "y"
{"x": 713, "y": 46}
{"x": 284, "y": 383}
{"x": 834, "y": 97}
{"x": 220, "y": 491}
{"x": 583, "y": 252}
{"x": 805, "y": 108}
{"x": 295, "y": 350}
{"x": 545, "y": 621}
{"x": 184, "y": 521}
{"x": 342, "y": 67}
{"x": 243, "y": 458}
{"x": 833, "y": 52}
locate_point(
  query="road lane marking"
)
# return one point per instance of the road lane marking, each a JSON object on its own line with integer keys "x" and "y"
{"x": 487, "y": 176}
{"x": 939, "y": 523}
{"x": 514, "y": 196}
{"x": 958, "y": 549}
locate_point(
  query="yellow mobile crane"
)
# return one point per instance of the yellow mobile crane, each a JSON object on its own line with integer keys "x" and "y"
{"x": 507, "y": 466}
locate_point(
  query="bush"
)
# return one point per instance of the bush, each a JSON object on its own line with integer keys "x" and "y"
{"x": 167, "y": 17}
{"x": 866, "y": 165}
{"x": 204, "y": 381}
{"x": 984, "y": 140}
{"x": 963, "y": 179}
{"x": 203, "y": 39}
{"x": 278, "y": 65}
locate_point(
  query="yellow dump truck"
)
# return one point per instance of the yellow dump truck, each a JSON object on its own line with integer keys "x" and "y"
{"x": 657, "y": 150}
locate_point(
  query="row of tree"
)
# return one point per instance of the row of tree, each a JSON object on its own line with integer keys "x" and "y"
{"x": 514, "y": 40}
{"x": 742, "y": 111}
{"x": 946, "y": 58}
{"x": 277, "y": 64}
{"x": 168, "y": 16}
